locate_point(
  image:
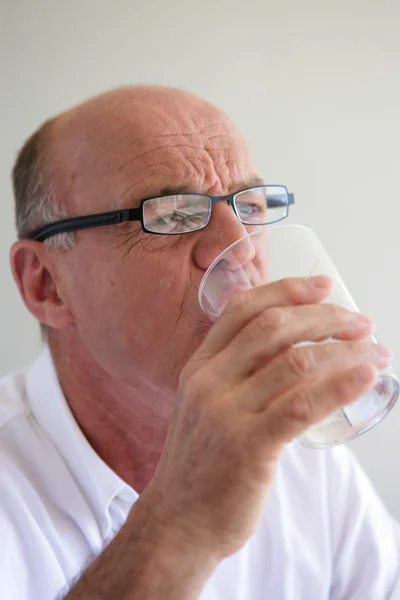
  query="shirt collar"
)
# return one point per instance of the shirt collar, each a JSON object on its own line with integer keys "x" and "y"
{"x": 50, "y": 409}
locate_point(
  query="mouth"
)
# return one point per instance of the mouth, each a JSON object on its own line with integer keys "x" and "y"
{"x": 207, "y": 319}
{"x": 216, "y": 304}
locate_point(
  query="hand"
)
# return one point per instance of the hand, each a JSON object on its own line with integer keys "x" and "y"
{"x": 246, "y": 393}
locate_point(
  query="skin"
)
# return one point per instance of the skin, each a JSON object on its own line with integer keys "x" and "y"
{"x": 168, "y": 401}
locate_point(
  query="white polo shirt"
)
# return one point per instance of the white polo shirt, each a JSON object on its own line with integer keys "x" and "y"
{"x": 324, "y": 535}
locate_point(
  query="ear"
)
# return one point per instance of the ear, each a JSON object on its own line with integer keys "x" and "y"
{"x": 35, "y": 276}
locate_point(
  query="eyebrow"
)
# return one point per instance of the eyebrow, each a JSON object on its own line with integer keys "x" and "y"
{"x": 187, "y": 189}
{"x": 242, "y": 185}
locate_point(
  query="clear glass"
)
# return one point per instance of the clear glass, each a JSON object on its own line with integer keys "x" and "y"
{"x": 178, "y": 213}
{"x": 267, "y": 255}
{"x": 183, "y": 213}
{"x": 251, "y": 205}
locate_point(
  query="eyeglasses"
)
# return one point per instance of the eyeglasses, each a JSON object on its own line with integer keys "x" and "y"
{"x": 184, "y": 213}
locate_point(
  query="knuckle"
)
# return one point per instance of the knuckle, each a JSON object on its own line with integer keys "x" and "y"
{"x": 301, "y": 362}
{"x": 301, "y": 409}
{"x": 272, "y": 319}
{"x": 294, "y": 290}
{"x": 357, "y": 350}
{"x": 336, "y": 312}
{"x": 345, "y": 387}
{"x": 239, "y": 302}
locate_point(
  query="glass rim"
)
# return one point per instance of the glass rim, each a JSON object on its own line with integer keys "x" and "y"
{"x": 259, "y": 231}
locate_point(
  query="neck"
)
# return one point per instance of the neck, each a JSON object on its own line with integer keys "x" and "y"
{"x": 125, "y": 424}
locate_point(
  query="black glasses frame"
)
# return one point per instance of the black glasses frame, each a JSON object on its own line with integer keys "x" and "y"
{"x": 123, "y": 215}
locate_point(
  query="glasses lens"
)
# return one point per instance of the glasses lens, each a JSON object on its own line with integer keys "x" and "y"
{"x": 179, "y": 213}
{"x": 278, "y": 202}
{"x": 262, "y": 205}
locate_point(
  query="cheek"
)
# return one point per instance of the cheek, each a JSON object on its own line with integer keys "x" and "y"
{"x": 129, "y": 306}
{"x": 139, "y": 313}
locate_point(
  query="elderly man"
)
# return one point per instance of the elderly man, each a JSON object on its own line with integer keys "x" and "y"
{"x": 146, "y": 453}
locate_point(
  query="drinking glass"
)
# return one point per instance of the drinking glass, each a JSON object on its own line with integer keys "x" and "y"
{"x": 267, "y": 255}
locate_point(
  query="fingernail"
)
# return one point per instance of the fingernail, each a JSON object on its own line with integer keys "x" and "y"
{"x": 381, "y": 350}
{"x": 318, "y": 281}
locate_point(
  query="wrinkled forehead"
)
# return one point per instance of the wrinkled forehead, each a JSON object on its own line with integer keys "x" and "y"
{"x": 120, "y": 150}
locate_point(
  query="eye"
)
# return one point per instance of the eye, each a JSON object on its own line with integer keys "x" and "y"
{"x": 188, "y": 222}
{"x": 250, "y": 208}
{"x": 167, "y": 218}
{"x": 177, "y": 221}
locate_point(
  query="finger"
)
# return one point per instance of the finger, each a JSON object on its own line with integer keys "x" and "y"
{"x": 294, "y": 413}
{"x": 245, "y": 306}
{"x": 277, "y": 329}
{"x": 307, "y": 365}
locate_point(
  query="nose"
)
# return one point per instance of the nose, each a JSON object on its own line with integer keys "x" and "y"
{"x": 223, "y": 230}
